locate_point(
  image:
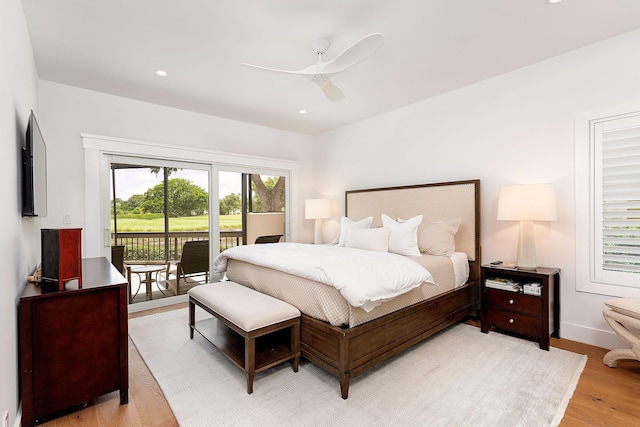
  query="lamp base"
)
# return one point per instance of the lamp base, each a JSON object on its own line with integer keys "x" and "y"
{"x": 526, "y": 247}
{"x": 318, "y": 239}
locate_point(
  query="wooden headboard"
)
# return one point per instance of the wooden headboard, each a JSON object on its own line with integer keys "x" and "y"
{"x": 436, "y": 202}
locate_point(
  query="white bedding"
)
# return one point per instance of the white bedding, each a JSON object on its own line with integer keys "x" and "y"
{"x": 364, "y": 278}
{"x": 460, "y": 268}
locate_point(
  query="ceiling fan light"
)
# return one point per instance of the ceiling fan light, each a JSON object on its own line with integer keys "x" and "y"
{"x": 320, "y": 79}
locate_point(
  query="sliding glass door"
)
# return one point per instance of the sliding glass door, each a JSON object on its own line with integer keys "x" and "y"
{"x": 157, "y": 209}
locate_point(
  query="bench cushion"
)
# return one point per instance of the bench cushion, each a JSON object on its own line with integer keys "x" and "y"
{"x": 244, "y": 307}
{"x": 627, "y": 306}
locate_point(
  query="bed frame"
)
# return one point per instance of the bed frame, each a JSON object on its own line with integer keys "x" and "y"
{"x": 348, "y": 352}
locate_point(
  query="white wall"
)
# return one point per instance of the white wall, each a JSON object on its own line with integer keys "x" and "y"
{"x": 515, "y": 128}
{"x": 19, "y": 241}
{"x": 69, "y": 111}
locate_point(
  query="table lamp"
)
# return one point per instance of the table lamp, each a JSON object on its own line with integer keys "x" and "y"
{"x": 317, "y": 209}
{"x": 527, "y": 203}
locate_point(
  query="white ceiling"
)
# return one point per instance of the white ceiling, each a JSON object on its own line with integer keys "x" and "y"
{"x": 431, "y": 47}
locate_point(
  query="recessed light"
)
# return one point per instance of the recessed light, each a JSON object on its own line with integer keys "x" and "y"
{"x": 161, "y": 73}
{"x": 302, "y": 111}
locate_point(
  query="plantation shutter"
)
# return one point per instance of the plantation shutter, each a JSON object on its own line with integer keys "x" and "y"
{"x": 617, "y": 200}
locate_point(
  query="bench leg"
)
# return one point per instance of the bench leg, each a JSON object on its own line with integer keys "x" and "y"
{"x": 192, "y": 317}
{"x": 250, "y": 362}
{"x": 623, "y": 326}
{"x": 295, "y": 345}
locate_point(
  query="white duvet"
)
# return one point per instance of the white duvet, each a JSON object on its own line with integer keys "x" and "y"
{"x": 364, "y": 278}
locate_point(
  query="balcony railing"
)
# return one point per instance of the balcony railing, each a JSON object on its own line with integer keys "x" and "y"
{"x": 158, "y": 248}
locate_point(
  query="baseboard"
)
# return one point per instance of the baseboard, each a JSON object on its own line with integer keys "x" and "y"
{"x": 596, "y": 337}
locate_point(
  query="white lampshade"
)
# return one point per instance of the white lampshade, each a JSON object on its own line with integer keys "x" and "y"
{"x": 527, "y": 203}
{"x": 317, "y": 209}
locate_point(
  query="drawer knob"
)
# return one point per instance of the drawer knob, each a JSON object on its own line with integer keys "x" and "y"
{"x": 511, "y": 320}
{"x": 510, "y": 301}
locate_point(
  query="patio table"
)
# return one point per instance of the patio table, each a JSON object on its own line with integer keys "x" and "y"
{"x": 149, "y": 278}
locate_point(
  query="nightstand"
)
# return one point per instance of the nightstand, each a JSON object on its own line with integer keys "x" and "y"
{"x": 535, "y": 317}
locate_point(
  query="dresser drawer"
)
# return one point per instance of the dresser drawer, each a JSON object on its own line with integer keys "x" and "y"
{"x": 514, "y": 322}
{"x": 513, "y": 301}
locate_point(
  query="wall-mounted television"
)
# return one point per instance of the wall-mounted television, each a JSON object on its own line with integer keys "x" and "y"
{"x": 34, "y": 172}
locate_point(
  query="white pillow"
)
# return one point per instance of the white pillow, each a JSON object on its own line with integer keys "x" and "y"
{"x": 403, "y": 239}
{"x": 438, "y": 237}
{"x": 346, "y": 224}
{"x": 371, "y": 239}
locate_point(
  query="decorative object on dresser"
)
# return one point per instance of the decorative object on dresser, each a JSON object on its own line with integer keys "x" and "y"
{"x": 522, "y": 302}
{"x": 527, "y": 203}
{"x": 61, "y": 254}
{"x": 73, "y": 343}
{"x": 317, "y": 209}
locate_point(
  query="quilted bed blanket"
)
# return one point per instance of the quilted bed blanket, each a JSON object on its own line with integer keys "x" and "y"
{"x": 364, "y": 278}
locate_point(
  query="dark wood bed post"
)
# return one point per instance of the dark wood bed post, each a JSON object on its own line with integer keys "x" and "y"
{"x": 345, "y": 374}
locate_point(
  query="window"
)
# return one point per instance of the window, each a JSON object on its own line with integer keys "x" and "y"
{"x": 608, "y": 202}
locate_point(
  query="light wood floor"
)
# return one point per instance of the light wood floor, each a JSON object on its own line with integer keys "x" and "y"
{"x": 604, "y": 396}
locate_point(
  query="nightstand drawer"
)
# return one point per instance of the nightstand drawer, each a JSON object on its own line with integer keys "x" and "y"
{"x": 513, "y": 301}
{"x": 514, "y": 322}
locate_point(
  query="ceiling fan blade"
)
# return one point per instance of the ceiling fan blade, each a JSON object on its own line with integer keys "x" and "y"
{"x": 309, "y": 71}
{"x": 357, "y": 52}
{"x": 333, "y": 92}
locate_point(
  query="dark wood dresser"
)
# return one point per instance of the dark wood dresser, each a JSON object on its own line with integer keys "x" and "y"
{"x": 73, "y": 343}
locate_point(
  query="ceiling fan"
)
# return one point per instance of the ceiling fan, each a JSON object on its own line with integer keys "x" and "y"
{"x": 322, "y": 72}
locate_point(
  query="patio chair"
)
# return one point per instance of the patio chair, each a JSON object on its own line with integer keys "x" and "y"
{"x": 117, "y": 258}
{"x": 192, "y": 268}
{"x": 268, "y": 239}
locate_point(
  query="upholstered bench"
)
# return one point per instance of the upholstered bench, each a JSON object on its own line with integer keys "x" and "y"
{"x": 623, "y": 314}
{"x": 269, "y": 327}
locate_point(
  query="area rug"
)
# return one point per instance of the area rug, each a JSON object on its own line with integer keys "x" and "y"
{"x": 459, "y": 377}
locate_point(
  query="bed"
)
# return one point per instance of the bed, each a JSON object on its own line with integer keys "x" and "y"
{"x": 347, "y": 340}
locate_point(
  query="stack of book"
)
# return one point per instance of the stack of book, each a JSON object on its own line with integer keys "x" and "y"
{"x": 503, "y": 284}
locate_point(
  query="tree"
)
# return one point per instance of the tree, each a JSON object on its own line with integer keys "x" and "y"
{"x": 270, "y": 193}
{"x": 156, "y": 170}
{"x": 230, "y": 204}
{"x": 185, "y": 199}
{"x": 118, "y": 205}
{"x": 130, "y": 205}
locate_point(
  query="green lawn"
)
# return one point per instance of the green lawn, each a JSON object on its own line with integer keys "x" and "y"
{"x": 155, "y": 223}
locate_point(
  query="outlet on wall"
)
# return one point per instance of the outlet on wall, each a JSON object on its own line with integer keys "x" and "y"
{"x": 5, "y": 419}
